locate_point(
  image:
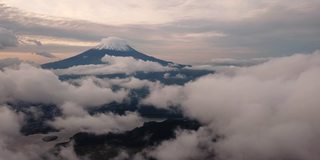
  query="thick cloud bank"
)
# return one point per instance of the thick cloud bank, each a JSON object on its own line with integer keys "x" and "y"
{"x": 31, "y": 84}
{"x": 268, "y": 111}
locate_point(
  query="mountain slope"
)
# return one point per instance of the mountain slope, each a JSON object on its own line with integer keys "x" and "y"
{"x": 111, "y": 46}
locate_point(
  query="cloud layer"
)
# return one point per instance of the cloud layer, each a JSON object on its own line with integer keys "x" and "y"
{"x": 268, "y": 111}
{"x": 99, "y": 123}
{"x": 72, "y": 98}
{"x": 210, "y": 29}
{"x": 43, "y": 86}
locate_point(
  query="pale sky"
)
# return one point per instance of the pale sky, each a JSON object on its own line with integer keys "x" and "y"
{"x": 184, "y": 31}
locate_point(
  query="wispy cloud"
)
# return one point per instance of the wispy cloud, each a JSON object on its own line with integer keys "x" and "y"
{"x": 245, "y": 28}
{"x": 45, "y": 54}
{"x": 7, "y": 38}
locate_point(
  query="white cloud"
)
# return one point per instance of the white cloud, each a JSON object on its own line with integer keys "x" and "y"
{"x": 163, "y": 96}
{"x": 67, "y": 153}
{"x": 187, "y": 146}
{"x": 99, "y": 123}
{"x": 129, "y": 83}
{"x": 43, "y": 86}
{"x": 12, "y": 146}
{"x": 9, "y": 122}
{"x": 268, "y": 111}
{"x": 127, "y": 65}
{"x": 9, "y": 129}
{"x": 177, "y": 76}
{"x": 73, "y": 109}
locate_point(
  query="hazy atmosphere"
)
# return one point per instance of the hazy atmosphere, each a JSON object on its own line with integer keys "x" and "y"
{"x": 185, "y": 31}
{"x": 159, "y": 80}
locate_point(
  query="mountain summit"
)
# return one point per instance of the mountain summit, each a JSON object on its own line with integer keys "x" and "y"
{"x": 112, "y": 46}
{"x": 113, "y": 43}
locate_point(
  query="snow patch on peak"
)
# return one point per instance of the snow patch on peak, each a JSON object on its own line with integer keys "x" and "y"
{"x": 113, "y": 43}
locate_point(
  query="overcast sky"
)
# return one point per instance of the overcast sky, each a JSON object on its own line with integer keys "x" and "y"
{"x": 185, "y": 31}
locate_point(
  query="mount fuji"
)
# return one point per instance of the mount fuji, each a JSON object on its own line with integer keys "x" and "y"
{"x": 115, "y": 47}
{"x": 112, "y": 46}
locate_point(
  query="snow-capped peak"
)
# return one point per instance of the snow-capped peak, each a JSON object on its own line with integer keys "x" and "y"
{"x": 113, "y": 43}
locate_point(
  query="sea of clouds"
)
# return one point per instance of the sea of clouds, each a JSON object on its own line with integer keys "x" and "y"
{"x": 266, "y": 111}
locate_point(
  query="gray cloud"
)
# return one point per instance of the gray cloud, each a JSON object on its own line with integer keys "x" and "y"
{"x": 228, "y": 65}
{"x": 9, "y": 62}
{"x": 237, "y": 62}
{"x": 45, "y": 54}
{"x": 33, "y": 24}
{"x": 36, "y": 42}
{"x": 7, "y": 38}
{"x": 280, "y": 28}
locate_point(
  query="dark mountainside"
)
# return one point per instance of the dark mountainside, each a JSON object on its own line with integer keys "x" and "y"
{"x": 93, "y": 56}
{"x": 110, "y": 145}
{"x": 111, "y": 46}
